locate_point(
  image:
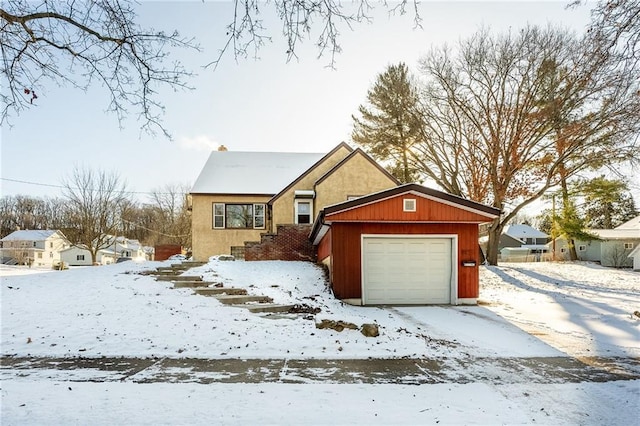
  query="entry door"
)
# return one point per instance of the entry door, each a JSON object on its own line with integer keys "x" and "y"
{"x": 406, "y": 271}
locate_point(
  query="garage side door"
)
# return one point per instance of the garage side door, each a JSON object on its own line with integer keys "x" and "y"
{"x": 406, "y": 270}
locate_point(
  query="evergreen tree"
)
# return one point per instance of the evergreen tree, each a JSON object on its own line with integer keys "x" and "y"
{"x": 608, "y": 203}
{"x": 390, "y": 123}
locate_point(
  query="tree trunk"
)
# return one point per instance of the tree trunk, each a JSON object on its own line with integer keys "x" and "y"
{"x": 494, "y": 232}
{"x": 566, "y": 208}
{"x": 94, "y": 255}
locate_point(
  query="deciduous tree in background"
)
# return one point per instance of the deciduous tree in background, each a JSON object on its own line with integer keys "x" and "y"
{"x": 389, "y": 125}
{"x": 508, "y": 117}
{"x": 94, "y": 203}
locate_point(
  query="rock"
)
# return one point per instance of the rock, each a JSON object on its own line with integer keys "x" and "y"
{"x": 336, "y": 325}
{"x": 370, "y": 330}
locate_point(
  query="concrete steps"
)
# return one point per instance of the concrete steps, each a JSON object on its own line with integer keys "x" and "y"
{"x": 242, "y": 299}
{"x": 192, "y": 284}
{"x": 268, "y": 308}
{"x": 179, "y": 278}
{"x": 217, "y": 291}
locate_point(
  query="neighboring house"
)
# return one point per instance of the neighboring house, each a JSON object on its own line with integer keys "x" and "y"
{"x": 35, "y": 247}
{"x": 612, "y": 248}
{"x": 635, "y": 257}
{"x": 404, "y": 245}
{"x": 251, "y": 197}
{"x": 114, "y": 249}
{"x": 522, "y": 243}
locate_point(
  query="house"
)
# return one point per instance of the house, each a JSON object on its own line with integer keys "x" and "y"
{"x": 635, "y": 257}
{"x": 521, "y": 242}
{"x": 33, "y": 247}
{"x": 612, "y": 248}
{"x": 260, "y": 205}
{"x": 118, "y": 247}
{"x": 404, "y": 245}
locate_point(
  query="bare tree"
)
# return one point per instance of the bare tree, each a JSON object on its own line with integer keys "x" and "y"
{"x": 302, "y": 19}
{"x": 94, "y": 204}
{"x": 79, "y": 43}
{"x": 509, "y": 117}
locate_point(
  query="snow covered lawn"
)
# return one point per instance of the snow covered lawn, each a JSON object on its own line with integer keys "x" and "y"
{"x": 574, "y": 309}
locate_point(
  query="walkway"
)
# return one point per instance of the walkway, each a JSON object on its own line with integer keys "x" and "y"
{"x": 542, "y": 370}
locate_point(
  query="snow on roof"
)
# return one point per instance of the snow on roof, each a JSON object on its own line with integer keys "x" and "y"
{"x": 234, "y": 172}
{"x": 631, "y": 224}
{"x": 616, "y": 234}
{"x": 29, "y": 235}
{"x": 523, "y": 231}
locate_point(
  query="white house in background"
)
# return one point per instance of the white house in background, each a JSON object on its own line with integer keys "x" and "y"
{"x": 115, "y": 248}
{"x": 635, "y": 258}
{"x": 520, "y": 243}
{"x": 613, "y": 248}
{"x": 35, "y": 247}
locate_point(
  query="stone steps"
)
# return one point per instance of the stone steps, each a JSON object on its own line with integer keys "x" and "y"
{"x": 179, "y": 278}
{"x": 217, "y": 291}
{"x": 268, "y": 308}
{"x": 192, "y": 284}
{"x": 242, "y": 299}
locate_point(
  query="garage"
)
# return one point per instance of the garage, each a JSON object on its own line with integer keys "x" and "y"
{"x": 403, "y": 270}
{"x": 408, "y": 245}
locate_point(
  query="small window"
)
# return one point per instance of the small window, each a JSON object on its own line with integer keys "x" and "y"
{"x": 34, "y": 243}
{"x": 50, "y": 244}
{"x": 563, "y": 250}
{"x": 258, "y": 216}
{"x": 218, "y": 216}
{"x": 303, "y": 212}
{"x": 582, "y": 248}
{"x": 628, "y": 246}
{"x": 409, "y": 205}
{"x": 80, "y": 257}
{"x": 40, "y": 255}
{"x": 51, "y": 254}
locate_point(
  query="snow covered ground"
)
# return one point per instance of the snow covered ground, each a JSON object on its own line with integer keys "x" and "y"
{"x": 565, "y": 309}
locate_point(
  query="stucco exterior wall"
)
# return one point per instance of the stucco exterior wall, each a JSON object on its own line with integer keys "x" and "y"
{"x": 207, "y": 241}
{"x": 356, "y": 177}
{"x": 283, "y": 207}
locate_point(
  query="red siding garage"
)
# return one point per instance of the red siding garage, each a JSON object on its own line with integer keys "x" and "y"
{"x": 405, "y": 245}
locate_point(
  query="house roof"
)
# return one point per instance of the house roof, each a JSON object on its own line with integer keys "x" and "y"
{"x": 523, "y": 231}
{"x": 320, "y": 228}
{"x": 264, "y": 173}
{"x": 616, "y": 234}
{"x": 631, "y": 224}
{"x": 29, "y": 235}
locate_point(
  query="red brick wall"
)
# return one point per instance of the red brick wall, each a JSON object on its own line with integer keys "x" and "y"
{"x": 163, "y": 251}
{"x": 291, "y": 242}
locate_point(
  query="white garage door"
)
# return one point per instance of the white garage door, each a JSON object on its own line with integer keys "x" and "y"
{"x": 406, "y": 270}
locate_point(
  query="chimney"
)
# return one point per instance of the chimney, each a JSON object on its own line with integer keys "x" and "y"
{"x": 222, "y": 148}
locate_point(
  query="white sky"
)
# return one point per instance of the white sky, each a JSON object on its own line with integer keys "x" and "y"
{"x": 264, "y": 105}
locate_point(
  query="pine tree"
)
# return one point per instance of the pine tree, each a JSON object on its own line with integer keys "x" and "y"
{"x": 608, "y": 203}
{"x": 390, "y": 123}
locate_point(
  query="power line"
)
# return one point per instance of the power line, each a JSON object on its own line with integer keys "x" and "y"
{"x": 63, "y": 187}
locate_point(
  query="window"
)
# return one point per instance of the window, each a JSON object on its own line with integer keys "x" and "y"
{"x": 582, "y": 248}
{"x": 40, "y": 255}
{"x": 80, "y": 257}
{"x": 50, "y": 244}
{"x": 238, "y": 216}
{"x": 303, "y": 212}
{"x": 34, "y": 244}
{"x": 409, "y": 205}
{"x": 628, "y": 246}
{"x": 563, "y": 250}
{"x": 51, "y": 254}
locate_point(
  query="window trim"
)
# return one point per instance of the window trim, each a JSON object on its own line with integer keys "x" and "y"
{"x": 582, "y": 247}
{"x": 296, "y": 218}
{"x": 409, "y": 205}
{"x": 628, "y": 246}
{"x": 254, "y": 216}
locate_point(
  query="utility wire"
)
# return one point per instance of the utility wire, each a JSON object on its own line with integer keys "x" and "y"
{"x": 64, "y": 187}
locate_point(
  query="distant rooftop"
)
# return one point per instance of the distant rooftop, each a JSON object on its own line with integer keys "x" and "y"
{"x": 523, "y": 231}
{"x": 631, "y": 224}
{"x": 236, "y": 172}
{"x": 29, "y": 235}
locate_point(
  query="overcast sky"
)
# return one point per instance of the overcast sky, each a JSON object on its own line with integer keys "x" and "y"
{"x": 263, "y": 105}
